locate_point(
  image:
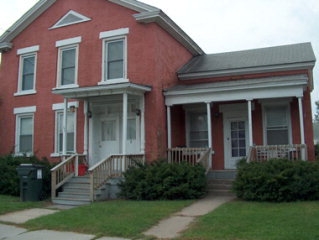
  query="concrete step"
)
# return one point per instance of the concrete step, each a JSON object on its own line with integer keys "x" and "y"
{"x": 74, "y": 195}
{"x": 222, "y": 174}
{"x": 71, "y": 201}
{"x": 220, "y": 186}
{"x": 83, "y": 180}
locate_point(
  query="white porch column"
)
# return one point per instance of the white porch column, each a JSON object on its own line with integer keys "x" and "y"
{"x": 124, "y": 128}
{"x": 86, "y": 127}
{"x": 250, "y": 124}
{"x": 302, "y": 130}
{"x": 209, "y": 125}
{"x": 142, "y": 107}
{"x": 209, "y": 131}
{"x": 169, "y": 128}
{"x": 64, "y": 134}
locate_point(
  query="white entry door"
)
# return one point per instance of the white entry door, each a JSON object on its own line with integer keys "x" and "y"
{"x": 109, "y": 137}
{"x": 235, "y": 141}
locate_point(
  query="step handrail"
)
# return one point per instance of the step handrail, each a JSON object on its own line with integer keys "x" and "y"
{"x": 64, "y": 171}
{"x": 110, "y": 167}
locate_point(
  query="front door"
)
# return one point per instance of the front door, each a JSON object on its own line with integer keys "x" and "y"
{"x": 109, "y": 137}
{"x": 235, "y": 141}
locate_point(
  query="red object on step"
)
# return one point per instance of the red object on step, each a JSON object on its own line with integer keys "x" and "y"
{"x": 82, "y": 169}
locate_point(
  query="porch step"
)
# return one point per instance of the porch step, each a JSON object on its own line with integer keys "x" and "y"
{"x": 76, "y": 192}
{"x": 221, "y": 182}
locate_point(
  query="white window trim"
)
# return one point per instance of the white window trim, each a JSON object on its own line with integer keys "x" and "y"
{"x": 20, "y": 113}
{"x": 27, "y": 50}
{"x": 23, "y": 53}
{"x": 111, "y": 36}
{"x": 22, "y": 110}
{"x": 60, "y": 50}
{"x": 58, "y": 108}
{"x": 69, "y": 41}
{"x": 278, "y": 103}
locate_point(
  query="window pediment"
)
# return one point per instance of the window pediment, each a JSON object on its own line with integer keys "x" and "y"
{"x": 71, "y": 18}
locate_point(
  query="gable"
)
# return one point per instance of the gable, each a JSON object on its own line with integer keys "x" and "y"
{"x": 72, "y": 17}
{"x": 144, "y": 14}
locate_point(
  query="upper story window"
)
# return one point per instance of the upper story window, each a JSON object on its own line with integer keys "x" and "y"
{"x": 67, "y": 70}
{"x": 27, "y": 70}
{"x": 114, "y": 68}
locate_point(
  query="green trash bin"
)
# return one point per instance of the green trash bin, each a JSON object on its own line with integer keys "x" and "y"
{"x": 31, "y": 182}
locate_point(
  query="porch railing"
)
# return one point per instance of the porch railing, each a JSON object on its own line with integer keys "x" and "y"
{"x": 65, "y": 170}
{"x": 265, "y": 153}
{"x": 190, "y": 155}
{"x": 111, "y": 167}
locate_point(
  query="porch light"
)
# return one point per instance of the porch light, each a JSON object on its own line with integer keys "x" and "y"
{"x": 138, "y": 112}
{"x": 89, "y": 114}
{"x": 72, "y": 109}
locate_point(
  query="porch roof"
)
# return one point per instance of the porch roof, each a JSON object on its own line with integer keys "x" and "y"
{"x": 103, "y": 90}
{"x": 248, "y": 89}
{"x": 270, "y": 59}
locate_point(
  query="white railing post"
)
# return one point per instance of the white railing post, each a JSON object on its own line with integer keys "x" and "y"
{"x": 124, "y": 127}
{"x": 169, "y": 128}
{"x": 76, "y": 166}
{"x": 209, "y": 130}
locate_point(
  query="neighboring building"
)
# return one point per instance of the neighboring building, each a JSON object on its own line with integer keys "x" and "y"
{"x": 103, "y": 77}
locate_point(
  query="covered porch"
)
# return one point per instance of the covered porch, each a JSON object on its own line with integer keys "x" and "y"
{"x": 111, "y": 134}
{"x": 240, "y": 119}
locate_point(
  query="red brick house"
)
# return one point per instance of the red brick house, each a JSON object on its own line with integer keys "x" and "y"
{"x": 98, "y": 78}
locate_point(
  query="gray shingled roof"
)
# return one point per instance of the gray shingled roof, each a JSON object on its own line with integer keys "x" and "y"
{"x": 250, "y": 61}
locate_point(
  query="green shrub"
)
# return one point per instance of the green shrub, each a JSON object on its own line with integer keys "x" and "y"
{"x": 277, "y": 180}
{"x": 164, "y": 181}
{"x": 10, "y": 183}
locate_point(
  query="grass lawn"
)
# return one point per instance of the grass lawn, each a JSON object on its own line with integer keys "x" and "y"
{"x": 112, "y": 218}
{"x": 240, "y": 220}
{"x": 12, "y": 204}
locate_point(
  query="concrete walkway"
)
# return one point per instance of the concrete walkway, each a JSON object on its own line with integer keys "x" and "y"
{"x": 178, "y": 222}
{"x": 166, "y": 229}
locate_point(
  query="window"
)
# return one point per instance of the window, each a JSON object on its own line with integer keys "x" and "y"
{"x": 114, "y": 55}
{"x": 25, "y": 134}
{"x": 24, "y": 130}
{"x": 27, "y": 70}
{"x": 67, "y": 66}
{"x": 277, "y": 125}
{"x": 114, "y": 62}
{"x": 197, "y": 129}
{"x": 70, "y": 129}
{"x": 238, "y": 138}
{"x": 68, "y": 62}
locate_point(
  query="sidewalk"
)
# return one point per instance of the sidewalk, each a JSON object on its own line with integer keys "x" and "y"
{"x": 174, "y": 225}
{"x": 166, "y": 229}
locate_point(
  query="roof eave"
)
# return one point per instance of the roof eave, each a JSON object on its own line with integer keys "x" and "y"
{"x": 25, "y": 21}
{"x": 135, "y": 5}
{"x": 171, "y": 27}
{"x": 5, "y": 46}
{"x": 102, "y": 90}
{"x": 243, "y": 71}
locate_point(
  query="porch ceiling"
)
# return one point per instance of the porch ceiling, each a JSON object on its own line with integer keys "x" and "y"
{"x": 103, "y": 90}
{"x": 248, "y": 89}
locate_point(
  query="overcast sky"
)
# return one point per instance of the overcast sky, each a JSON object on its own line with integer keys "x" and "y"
{"x": 226, "y": 25}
